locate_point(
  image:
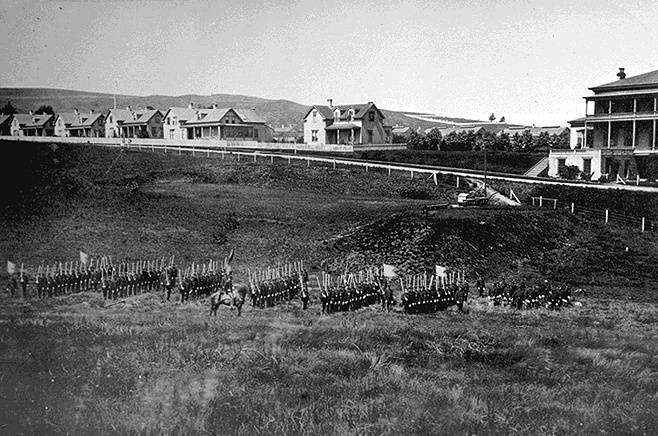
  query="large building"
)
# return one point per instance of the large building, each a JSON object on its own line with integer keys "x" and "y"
{"x": 223, "y": 124}
{"x": 618, "y": 131}
{"x": 78, "y": 124}
{"x": 346, "y": 124}
{"x": 33, "y": 125}
{"x": 129, "y": 123}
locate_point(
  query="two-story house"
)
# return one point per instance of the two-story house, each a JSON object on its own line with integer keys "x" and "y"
{"x": 346, "y": 124}
{"x": 618, "y": 130}
{"x": 78, "y": 124}
{"x": 230, "y": 124}
{"x": 33, "y": 125}
{"x": 129, "y": 123}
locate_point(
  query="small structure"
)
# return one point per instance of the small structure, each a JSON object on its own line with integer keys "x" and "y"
{"x": 287, "y": 134}
{"x": 32, "y": 124}
{"x": 77, "y": 124}
{"x": 618, "y": 130}
{"x": 129, "y": 123}
{"x": 346, "y": 124}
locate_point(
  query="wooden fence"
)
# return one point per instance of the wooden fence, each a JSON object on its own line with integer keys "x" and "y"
{"x": 606, "y": 215}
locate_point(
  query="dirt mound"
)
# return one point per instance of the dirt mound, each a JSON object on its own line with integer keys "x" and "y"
{"x": 484, "y": 242}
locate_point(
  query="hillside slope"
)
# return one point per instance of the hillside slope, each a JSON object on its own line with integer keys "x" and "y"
{"x": 275, "y": 112}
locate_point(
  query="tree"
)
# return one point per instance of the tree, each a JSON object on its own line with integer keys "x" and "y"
{"x": 8, "y": 109}
{"x": 502, "y": 119}
{"x": 416, "y": 141}
{"x": 433, "y": 140}
{"x": 492, "y": 117}
{"x": 45, "y": 109}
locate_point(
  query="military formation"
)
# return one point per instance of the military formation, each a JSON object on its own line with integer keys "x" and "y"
{"x": 350, "y": 292}
{"x": 201, "y": 280}
{"x": 423, "y": 294}
{"x": 273, "y": 286}
{"x": 518, "y": 295}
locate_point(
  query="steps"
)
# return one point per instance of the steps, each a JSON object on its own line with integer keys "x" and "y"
{"x": 537, "y": 168}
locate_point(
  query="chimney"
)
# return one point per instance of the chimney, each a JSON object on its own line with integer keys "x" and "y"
{"x": 214, "y": 105}
{"x": 190, "y": 105}
{"x": 621, "y": 74}
{"x": 330, "y": 102}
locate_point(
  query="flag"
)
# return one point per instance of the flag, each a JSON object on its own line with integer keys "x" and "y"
{"x": 389, "y": 271}
{"x": 84, "y": 257}
{"x": 441, "y": 271}
{"x": 11, "y": 268}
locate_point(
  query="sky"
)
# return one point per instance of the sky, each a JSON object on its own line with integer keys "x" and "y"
{"x": 531, "y": 61}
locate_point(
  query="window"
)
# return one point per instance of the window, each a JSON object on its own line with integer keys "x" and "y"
{"x": 336, "y": 115}
{"x": 110, "y": 118}
{"x": 370, "y": 136}
{"x": 587, "y": 166}
{"x": 315, "y": 113}
{"x": 561, "y": 165}
{"x": 314, "y": 136}
{"x": 350, "y": 115}
{"x": 372, "y": 115}
{"x": 171, "y": 134}
{"x": 255, "y": 133}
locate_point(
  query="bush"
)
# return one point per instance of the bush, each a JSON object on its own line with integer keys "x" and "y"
{"x": 569, "y": 172}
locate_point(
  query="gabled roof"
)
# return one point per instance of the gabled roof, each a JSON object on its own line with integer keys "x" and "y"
{"x": 649, "y": 79}
{"x": 249, "y": 116}
{"x": 141, "y": 117}
{"x": 83, "y": 119}
{"x": 205, "y": 116}
{"x": 6, "y": 118}
{"x": 360, "y": 110}
{"x": 36, "y": 120}
{"x": 400, "y": 130}
{"x": 182, "y": 113}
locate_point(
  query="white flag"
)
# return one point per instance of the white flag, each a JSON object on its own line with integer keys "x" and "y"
{"x": 389, "y": 271}
{"x": 84, "y": 257}
{"x": 441, "y": 271}
{"x": 11, "y": 268}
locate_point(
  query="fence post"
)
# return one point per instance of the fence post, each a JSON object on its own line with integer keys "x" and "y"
{"x": 436, "y": 180}
{"x": 638, "y": 180}
{"x": 606, "y": 216}
{"x": 412, "y": 174}
{"x": 238, "y": 156}
{"x": 334, "y": 163}
{"x": 555, "y": 204}
{"x": 288, "y": 160}
{"x": 208, "y": 153}
{"x": 389, "y": 171}
{"x": 308, "y": 163}
{"x": 572, "y": 208}
{"x": 458, "y": 181}
{"x": 179, "y": 150}
{"x": 165, "y": 148}
{"x": 366, "y": 168}
{"x": 541, "y": 201}
{"x": 152, "y": 148}
{"x": 271, "y": 158}
{"x": 643, "y": 222}
{"x": 254, "y": 156}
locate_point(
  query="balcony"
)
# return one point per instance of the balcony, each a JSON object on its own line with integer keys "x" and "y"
{"x": 622, "y": 116}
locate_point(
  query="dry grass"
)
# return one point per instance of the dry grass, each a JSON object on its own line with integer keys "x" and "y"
{"x": 74, "y": 365}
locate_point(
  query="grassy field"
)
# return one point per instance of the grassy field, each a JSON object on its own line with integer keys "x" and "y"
{"x": 75, "y": 364}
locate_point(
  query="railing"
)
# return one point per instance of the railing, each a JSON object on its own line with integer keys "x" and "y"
{"x": 605, "y": 215}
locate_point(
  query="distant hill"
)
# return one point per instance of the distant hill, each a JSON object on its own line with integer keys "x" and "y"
{"x": 275, "y": 112}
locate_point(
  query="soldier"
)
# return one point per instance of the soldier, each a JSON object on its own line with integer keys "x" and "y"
{"x": 23, "y": 283}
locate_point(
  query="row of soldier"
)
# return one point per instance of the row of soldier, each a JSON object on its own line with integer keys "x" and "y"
{"x": 518, "y": 295}
{"x": 202, "y": 280}
{"x": 273, "y": 286}
{"x": 423, "y": 294}
{"x": 350, "y": 292}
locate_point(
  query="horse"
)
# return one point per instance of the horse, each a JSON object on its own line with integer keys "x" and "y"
{"x": 232, "y": 296}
